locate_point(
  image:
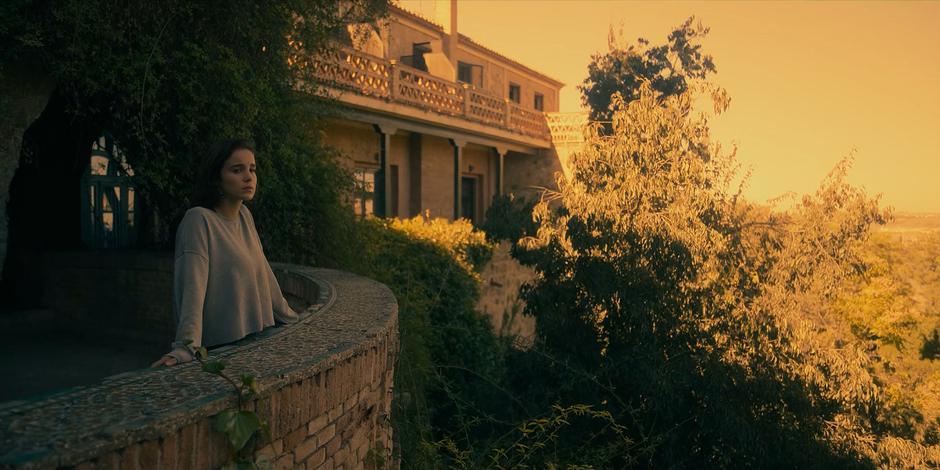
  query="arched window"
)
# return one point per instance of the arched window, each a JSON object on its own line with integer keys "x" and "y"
{"x": 108, "y": 206}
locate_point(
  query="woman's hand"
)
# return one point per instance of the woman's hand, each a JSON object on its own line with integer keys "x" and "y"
{"x": 165, "y": 361}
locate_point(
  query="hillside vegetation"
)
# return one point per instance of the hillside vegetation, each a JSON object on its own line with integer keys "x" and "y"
{"x": 892, "y": 311}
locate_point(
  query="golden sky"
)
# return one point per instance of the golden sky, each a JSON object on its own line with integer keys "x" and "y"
{"x": 809, "y": 81}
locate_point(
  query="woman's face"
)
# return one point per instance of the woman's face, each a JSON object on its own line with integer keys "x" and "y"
{"x": 238, "y": 179}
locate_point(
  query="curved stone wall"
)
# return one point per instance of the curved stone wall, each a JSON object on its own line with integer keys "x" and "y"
{"x": 325, "y": 391}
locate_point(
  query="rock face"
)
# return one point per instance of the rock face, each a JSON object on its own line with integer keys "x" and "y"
{"x": 23, "y": 96}
{"x": 499, "y": 296}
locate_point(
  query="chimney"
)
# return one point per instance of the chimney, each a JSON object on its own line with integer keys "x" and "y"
{"x": 454, "y": 36}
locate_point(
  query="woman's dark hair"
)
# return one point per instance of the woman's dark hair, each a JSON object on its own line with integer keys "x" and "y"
{"x": 208, "y": 189}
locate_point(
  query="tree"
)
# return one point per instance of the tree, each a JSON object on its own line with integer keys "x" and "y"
{"x": 670, "y": 68}
{"x": 685, "y": 308}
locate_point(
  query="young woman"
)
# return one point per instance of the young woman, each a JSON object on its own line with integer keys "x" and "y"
{"x": 223, "y": 286}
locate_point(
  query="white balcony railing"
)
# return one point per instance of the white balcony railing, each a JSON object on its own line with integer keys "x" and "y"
{"x": 369, "y": 75}
{"x": 567, "y": 128}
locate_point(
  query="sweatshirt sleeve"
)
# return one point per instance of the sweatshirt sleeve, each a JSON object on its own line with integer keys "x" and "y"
{"x": 190, "y": 280}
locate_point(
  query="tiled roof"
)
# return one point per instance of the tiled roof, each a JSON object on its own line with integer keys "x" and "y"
{"x": 416, "y": 15}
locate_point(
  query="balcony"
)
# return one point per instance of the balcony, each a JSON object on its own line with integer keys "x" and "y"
{"x": 372, "y": 76}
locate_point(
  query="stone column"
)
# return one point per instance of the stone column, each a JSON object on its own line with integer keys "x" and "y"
{"x": 500, "y": 166}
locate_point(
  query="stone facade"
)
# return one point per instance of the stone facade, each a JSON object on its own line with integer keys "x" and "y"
{"x": 325, "y": 391}
{"x": 425, "y": 170}
{"x": 437, "y": 177}
{"x": 499, "y": 73}
{"x": 528, "y": 175}
{"x": 406, "y": 28}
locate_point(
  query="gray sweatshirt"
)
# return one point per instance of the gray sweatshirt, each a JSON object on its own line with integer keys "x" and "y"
{"x": 223, "y": 286}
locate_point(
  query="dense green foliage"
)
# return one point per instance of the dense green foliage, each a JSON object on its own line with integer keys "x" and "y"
{"x": 758, "y": 372}
{"x": 671, "y": 69}
{"x": 449, "y": 360}
{"x": 891, "y": 312}
{"x": 509, "y": 218}
{"x": 649, "y": 286}
{"x": 169, "y": 78}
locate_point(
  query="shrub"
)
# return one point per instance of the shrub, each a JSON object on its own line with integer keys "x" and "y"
{"x": 509, "y": 218}
{"x": 450, "y": 364}
{"x": 465, "y": 244}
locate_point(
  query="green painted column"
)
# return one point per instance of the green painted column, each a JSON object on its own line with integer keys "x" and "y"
{"x": 458, "y": 162}
{"x": 383, "y": 184}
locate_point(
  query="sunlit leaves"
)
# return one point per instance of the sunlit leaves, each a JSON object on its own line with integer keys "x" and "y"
{"x": 701, "y": 304}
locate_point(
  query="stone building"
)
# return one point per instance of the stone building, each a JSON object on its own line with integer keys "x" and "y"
{"x": 435, "y": 122}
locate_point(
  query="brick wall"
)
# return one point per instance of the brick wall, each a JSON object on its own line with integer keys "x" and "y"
{"x": 437, "y": 176}
{"x": 334, "y": 419}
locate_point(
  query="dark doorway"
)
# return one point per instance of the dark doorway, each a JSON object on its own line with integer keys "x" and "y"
{"x": 393, "y": 177}
{"x": 416, "y": 59}
{"x": 469, "y": 193}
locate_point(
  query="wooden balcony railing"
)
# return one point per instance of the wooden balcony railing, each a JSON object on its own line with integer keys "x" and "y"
{"x": 369, "y": 75}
